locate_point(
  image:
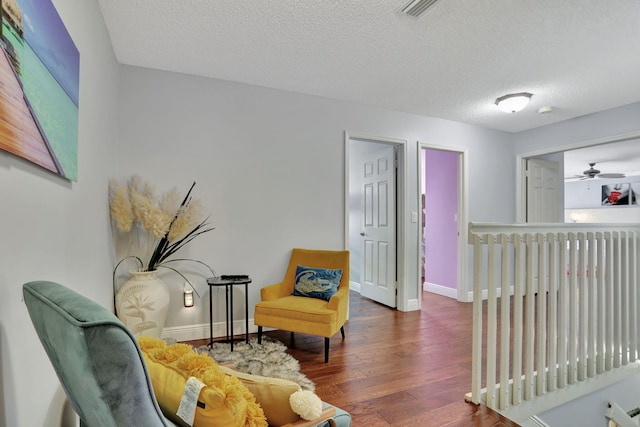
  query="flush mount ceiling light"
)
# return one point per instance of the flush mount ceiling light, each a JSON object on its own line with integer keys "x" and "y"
{"x": 513, "y": 102}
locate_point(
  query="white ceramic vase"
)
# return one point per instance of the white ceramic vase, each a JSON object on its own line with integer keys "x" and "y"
{"x": 142, "y": 303}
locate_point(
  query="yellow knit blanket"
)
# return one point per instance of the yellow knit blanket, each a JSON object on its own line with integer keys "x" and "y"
{"x": 223, "y": 402}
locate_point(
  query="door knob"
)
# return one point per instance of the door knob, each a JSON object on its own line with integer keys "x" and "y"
{"x": 362, "y": 233}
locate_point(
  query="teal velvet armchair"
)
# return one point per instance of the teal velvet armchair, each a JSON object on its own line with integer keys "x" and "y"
{"x": 96, "y": 358}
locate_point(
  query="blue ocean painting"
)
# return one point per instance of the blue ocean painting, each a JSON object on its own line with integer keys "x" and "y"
{"x": 50, "y": 41}
{"x": 48, "y": 67}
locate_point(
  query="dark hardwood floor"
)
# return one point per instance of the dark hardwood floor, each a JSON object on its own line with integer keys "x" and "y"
{"x": 395, "y": 368}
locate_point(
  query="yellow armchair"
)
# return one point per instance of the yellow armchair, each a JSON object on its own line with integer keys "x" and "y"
{"x": 280, "y": 309}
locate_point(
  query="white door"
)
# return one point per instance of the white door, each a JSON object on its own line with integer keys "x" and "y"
{"x": 379, "y": 226}
{"x": 542, "y": 191}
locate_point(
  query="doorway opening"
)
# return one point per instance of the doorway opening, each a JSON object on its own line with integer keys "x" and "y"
{"x": 374, "y": 226}
{"x": 612, "y": 154}
{"x": 442, "y": 221}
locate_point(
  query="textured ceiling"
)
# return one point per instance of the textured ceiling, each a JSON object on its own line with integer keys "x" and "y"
{"x": 579, "y": 56}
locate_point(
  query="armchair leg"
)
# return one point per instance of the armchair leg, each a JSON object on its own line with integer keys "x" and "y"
{"x": 259, "y": 334}
{"x": 326, "y": 350}
{"x": 342, "y": 331}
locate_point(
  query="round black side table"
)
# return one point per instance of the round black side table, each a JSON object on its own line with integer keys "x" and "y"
{"x": 228, "y": 284}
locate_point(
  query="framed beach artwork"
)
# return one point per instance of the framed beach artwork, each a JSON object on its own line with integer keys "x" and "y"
{"x": 39, "y": 71}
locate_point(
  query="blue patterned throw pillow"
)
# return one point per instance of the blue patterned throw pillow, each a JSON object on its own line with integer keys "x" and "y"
{"x": 315, "y": 282}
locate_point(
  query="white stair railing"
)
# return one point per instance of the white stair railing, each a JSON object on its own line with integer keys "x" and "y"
{"x": 561, "y": 307}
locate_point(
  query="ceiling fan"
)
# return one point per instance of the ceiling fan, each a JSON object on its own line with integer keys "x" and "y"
{"x": 592, "y": 172}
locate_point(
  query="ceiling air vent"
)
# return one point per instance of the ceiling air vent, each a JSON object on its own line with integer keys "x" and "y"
{"x": 417, "y": 7}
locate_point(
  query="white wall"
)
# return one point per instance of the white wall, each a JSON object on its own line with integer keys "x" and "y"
{"x": 587, "y": 193}
{"x": 55, "y": 230}
{"x": 602, "y": 125}
{"x": 583, "y": 202}
{"x": 270, "y": 167}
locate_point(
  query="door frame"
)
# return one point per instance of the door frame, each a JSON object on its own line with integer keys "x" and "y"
{"x": 521, "y": 166}
{"x": 463, "y": 292}
{"x": 402, "y": 302}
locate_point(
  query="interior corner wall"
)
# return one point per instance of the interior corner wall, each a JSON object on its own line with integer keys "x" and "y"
{"x": 56, "y": 230}
{"x": 269, "y": 167}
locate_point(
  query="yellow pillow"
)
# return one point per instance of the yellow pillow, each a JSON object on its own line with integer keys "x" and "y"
{"x": 271, "y": 393}
{"x": 223, "y": 402}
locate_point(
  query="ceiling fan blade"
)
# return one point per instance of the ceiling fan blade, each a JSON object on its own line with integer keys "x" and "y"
{"x": 611, "y": 175}
{"x": 574, "y": 178}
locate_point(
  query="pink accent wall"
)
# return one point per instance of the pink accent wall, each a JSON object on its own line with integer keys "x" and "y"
{"x": 441, "y": 228}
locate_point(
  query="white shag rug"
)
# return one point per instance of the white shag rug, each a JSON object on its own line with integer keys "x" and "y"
{"x": 268, "y": 359}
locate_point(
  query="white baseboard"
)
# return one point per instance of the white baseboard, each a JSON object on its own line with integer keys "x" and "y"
{"x": 201, "y": 331}
{"x": 354, "y": 286}
{"x": 441, "y": 290}
{"x": 437, "y": 289}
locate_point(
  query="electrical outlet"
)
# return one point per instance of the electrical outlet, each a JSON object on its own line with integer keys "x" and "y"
{"x": 414, "y": 216}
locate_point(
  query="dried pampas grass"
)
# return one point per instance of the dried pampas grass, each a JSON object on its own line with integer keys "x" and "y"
{"x": 158, "y": 227}
{"x": 120, "y": 206}
{"x": 185, "y": 221}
